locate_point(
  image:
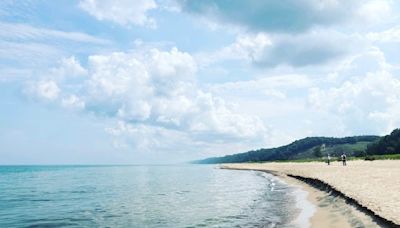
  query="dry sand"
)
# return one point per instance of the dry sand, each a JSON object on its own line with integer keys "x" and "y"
{"x": 373, "y": 184}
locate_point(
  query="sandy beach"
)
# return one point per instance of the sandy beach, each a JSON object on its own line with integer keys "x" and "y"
{"x": 374, "y": 185}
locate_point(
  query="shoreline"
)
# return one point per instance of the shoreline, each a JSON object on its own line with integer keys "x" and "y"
{"x": 324, "y": 187}
{"x": 320, "y": 216}
{"x": 317, "y": 189}
{"x": 303, "y": 198}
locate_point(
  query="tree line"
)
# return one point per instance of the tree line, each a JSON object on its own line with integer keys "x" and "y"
{"x": 289, "y": 151}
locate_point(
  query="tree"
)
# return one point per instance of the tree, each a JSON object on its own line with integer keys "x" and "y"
{"x": 317, "y": 151}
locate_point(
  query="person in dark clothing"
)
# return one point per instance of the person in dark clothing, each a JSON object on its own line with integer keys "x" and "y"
{"x": 344, "y": 159}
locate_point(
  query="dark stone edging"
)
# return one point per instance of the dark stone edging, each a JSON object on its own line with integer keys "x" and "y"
{"x": 321, "y": 185}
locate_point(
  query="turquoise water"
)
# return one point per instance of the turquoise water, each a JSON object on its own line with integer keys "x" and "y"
{"x": 142, "y": 196}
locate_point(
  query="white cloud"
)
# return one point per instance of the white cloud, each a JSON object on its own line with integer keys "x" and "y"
{"x": 359, "y": 96}
{"x": 390, "y": 35}
{"x": 250, "y": 47}
{"x": 123, "y": 12}
{"x": 135, "y": 110}
{"x": 173, "y": 65}
{"x": 31, "y": 49}
{"x": 368, "y": 101}
{"x": 313, "y": 48}
{"x": 116, "y": 75}
{"x": 375, "y": 11}
{"x": 73, "y": 102}
{"x": 44, "y": 89}
{"x": 27, "y": 54}
{"x": 370, "y": 104}
{"x": 154, "y": 92}
{"x": 156, "y": 141}
{"x": 372, "y": 60}
{"x": 275, "y": 99}
{"x": 18, "y": 31}
{"x": 215, "y": 117}
{"x": 159, "y": 87}
{"x": 69, "y": 67}
{"x": 59, "y": 84}
{"x": 246, "y": 47}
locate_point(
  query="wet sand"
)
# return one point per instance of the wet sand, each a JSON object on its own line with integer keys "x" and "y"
{"x": 374, "y": 185}
{"x": 331, "y": 211}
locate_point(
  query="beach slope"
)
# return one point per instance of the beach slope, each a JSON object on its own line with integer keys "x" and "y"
{"x": 374, "y": 185}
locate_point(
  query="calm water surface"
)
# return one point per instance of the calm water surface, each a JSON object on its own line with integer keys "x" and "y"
{"x": 142, "y": 196}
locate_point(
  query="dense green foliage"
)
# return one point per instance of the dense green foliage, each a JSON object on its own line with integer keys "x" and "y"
{"x": 301, "y": 149}
{"x": 317, "y": 151}
{"x": 383, "y": 157}
{"x": 389, "y": 144}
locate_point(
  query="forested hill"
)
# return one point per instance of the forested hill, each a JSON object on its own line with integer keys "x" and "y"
{"x": 310, "y": 147}
{"x": 389, "y": 144}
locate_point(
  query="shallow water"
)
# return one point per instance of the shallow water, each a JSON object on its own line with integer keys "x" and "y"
{"x": 143, "y": 196}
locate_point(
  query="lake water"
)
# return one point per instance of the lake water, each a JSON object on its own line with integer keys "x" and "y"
{"x": 143, "y": 196}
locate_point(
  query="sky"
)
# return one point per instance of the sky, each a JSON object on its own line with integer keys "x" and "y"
{"x": 154, "y": 82}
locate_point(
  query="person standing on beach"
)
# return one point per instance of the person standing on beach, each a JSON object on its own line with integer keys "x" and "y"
{"x": 329, "y": 159}
{"x": 344, "y": 159}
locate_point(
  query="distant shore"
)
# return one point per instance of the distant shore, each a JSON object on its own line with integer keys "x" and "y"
{"x": 373, "y": 187}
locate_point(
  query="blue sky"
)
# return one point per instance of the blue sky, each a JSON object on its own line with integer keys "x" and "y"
{"x": 147, "y": 81}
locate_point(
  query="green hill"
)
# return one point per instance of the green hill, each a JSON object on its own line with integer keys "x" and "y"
{"x": 389, "y": 144}
{"x": 311, "y": 147}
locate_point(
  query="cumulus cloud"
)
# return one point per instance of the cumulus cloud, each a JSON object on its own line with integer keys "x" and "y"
{"x": 123, "y": 12}
{"x": 275, "y": 16}
{"x": 158, "y": 87}
{"x": 44, "y": 89}
{"x": 248, "y": 47}
{"x": 359, "y": 96}
{"x": 69, "y": 67}
{"x": 58, "y": 83}
{"x": 148, "y": 90}
{"x": 313, "y": 48}
{"x": 370, "y": 104}
{"x": 367, "y": 101}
